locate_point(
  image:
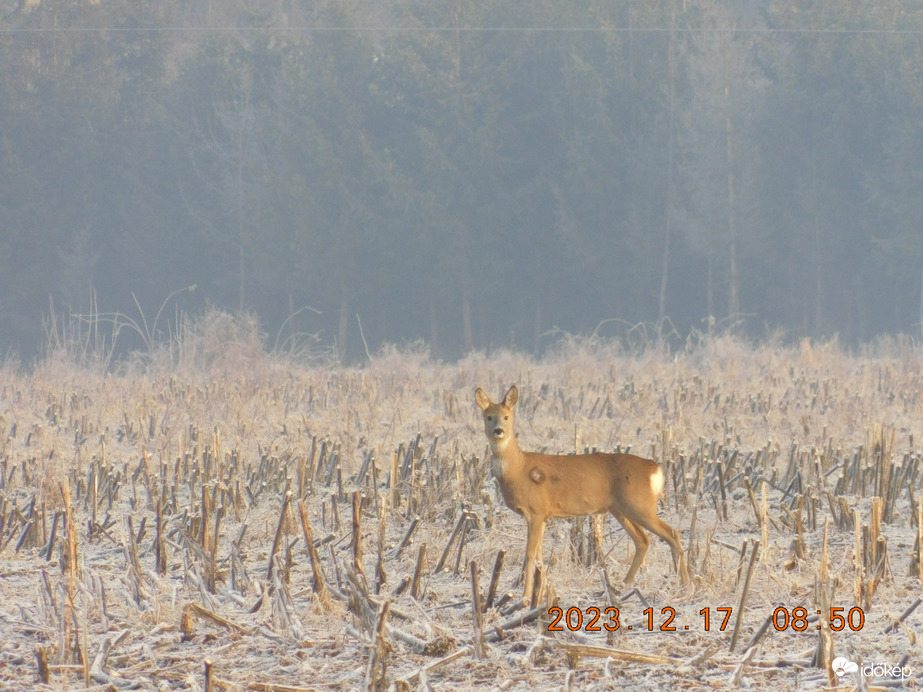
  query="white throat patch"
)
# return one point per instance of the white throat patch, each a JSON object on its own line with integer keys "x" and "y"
{"x": 496, "y": 466}
{"x": 497, "y": 446}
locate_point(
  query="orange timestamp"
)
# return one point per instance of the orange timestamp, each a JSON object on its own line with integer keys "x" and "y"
{"x": 595, "y": 619}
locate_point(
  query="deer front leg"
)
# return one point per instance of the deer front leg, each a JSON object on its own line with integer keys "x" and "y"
{"x": 536, "y": 533}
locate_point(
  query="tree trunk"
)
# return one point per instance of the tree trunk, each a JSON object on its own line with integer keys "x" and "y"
{"x": 710, "y": 291}
{"x": 344, "y": 327}
{"x": 466, "y": 323}
{"x": 433, "y": 327}
{"x": 818, "y": 244}
{"x": 241, "y": 241}
{"x": 668, "y": 232}
{"x": 819, "y": 277}
{"x": 733, "y": 271}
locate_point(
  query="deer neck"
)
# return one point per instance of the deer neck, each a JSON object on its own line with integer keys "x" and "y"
{"x": 506, "y": 457}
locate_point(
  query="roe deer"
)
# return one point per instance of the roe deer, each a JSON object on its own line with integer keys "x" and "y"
{"x": 541, "y": 486}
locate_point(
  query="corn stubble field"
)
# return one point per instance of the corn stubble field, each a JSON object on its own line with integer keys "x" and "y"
{"x": 155, "y": 522}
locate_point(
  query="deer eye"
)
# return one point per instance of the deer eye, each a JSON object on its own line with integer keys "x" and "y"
{"x": 506, "y": 417}
{"x": 490, "y": 418}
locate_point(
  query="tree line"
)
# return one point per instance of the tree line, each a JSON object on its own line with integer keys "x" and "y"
{"x": 468, "y": 174}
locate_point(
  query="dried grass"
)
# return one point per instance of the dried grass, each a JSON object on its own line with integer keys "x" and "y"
{"x": 193, "y": 484}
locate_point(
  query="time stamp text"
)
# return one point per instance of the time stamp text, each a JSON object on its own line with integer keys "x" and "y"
{"x": 798, "y": 619}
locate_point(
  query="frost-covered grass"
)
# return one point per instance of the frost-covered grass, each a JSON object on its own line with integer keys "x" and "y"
{"x": 214, "y": 414}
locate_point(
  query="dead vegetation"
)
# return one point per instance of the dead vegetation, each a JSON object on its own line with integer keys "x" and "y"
{"x": 269, "y": 526}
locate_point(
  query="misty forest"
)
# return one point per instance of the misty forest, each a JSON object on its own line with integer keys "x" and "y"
{"x": 468, "y": 175}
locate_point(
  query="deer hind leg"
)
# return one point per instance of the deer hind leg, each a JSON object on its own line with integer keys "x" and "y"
{"x": 535, "y": 535}
{"x": 641, "y": 540}
{"x": 659, "y": 527}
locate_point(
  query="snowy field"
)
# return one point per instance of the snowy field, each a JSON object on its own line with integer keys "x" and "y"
{"x": 154, "y": 522}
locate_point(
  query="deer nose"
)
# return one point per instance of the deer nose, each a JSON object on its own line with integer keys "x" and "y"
{"x": 498, "y": 432}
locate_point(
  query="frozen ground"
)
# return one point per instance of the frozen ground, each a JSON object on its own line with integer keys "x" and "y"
{"x": 761, "y": 443}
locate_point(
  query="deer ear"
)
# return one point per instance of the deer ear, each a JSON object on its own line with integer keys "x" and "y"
{"x": 512, "y": 396}
{"x": 483, "y": 401}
